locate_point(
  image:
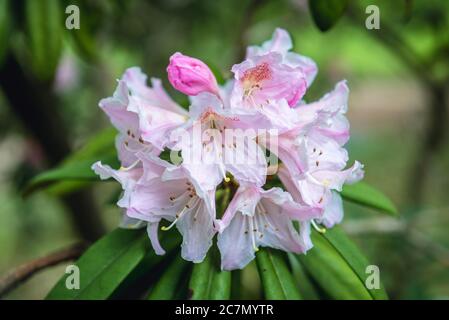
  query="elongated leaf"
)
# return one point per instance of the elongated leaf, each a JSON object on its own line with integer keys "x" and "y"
{"x": 366, "y": 195}
{"x": 408, "y": 10}
{"x": 65, "y": 187}
{"x": 326, "y": 13}
{"x": 93, "y": 17}
{"x": 338, "y": 267}
{"x": 75, "y": 171}
{"x": 332, "y": 273}
{"x": 208, "y": 281}
{"x": 355, "y": 259}
{"x": 201, "y": 280}
{"x": 236, "y": 284}
{"x": 221, "y": 285}
{"x": 305, "y": 286}
{"x": 166, "y": 287}
{"x": 5, "y": 24}
{"x": 277, "y": 281}
{"x": 101, "y": 143}
{"x": 45, "y": 23}
{"x": 151, "y": 268}
{"x": 105, "y": 265}
{"x": 84, "y": 42}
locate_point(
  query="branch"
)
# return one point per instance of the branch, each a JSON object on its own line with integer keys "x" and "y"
{"x": 22, "y": 273}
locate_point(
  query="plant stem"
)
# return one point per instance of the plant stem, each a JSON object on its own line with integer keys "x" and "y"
{"x": 19, "y": 275}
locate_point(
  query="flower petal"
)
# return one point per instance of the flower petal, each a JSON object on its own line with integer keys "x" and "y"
{"x": 333, "y": 212}
{"x": 152, "y": 230}
{"x": 116, "y": 107}
{"x": 235, "y": 244}
{"x": 131, "y": 223}
{"x": 156, "y": 96}
{"x": 196, "y": 227}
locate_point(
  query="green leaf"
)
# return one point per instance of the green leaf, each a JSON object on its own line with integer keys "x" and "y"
{"x": 221, "y": 285}
{"x": 105, "y": 265}
{"x": 338, "y": 267}
{"x": 66, "y": 187}
{"x": 236, "y": 285}
{"x": 201, "y": 279}
{"x": 326, "y": 13}
{"x": 166, "y": 287}
{"x": 331, "y": 272}
{"x": 93, "y": 18}
{"x": 208, "y": 281}
{"x": 84, "y": 43}
{"x": 408, "y": 10}
{"x": 5, "y": 24}
{"x": 366, "y": 195}
{"x": 149, "y": 270}
{"x": 354, "y": 258}
{"x": 44, "y": 29}
{"x": 75, "y": 171}
{"x": 277, "y": 281}
{"x": 101, "y": 143}
{"x": 305, "y": 286}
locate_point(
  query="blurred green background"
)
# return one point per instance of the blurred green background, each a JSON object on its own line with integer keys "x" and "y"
{"x": 51, "y": 80}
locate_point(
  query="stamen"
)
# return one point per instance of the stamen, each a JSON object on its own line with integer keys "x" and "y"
{"x": 131, "y": 166}
{"x": 253, "y": 238}
{"x": 181, "y": 214}
{"x": 314, "y": 180}
{"x": 196, "y": 214}
{"x": 164, "y": 228}
{"x": 317, "y": 228}
{"x": 259, "y": 206}
{"x": 223, "y": 172}
{"x": 253, "y": 102}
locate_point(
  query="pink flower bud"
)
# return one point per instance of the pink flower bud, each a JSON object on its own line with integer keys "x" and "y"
{"x": 190, "y": 76}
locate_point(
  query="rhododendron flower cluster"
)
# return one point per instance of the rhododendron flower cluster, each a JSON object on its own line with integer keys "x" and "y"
{"x": 232, "y": 142}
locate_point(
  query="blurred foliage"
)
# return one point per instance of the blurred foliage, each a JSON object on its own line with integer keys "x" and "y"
{"x": 4, "y": 27}
{"x": 326, "y": 13}
{"x": 44, "y": 20}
